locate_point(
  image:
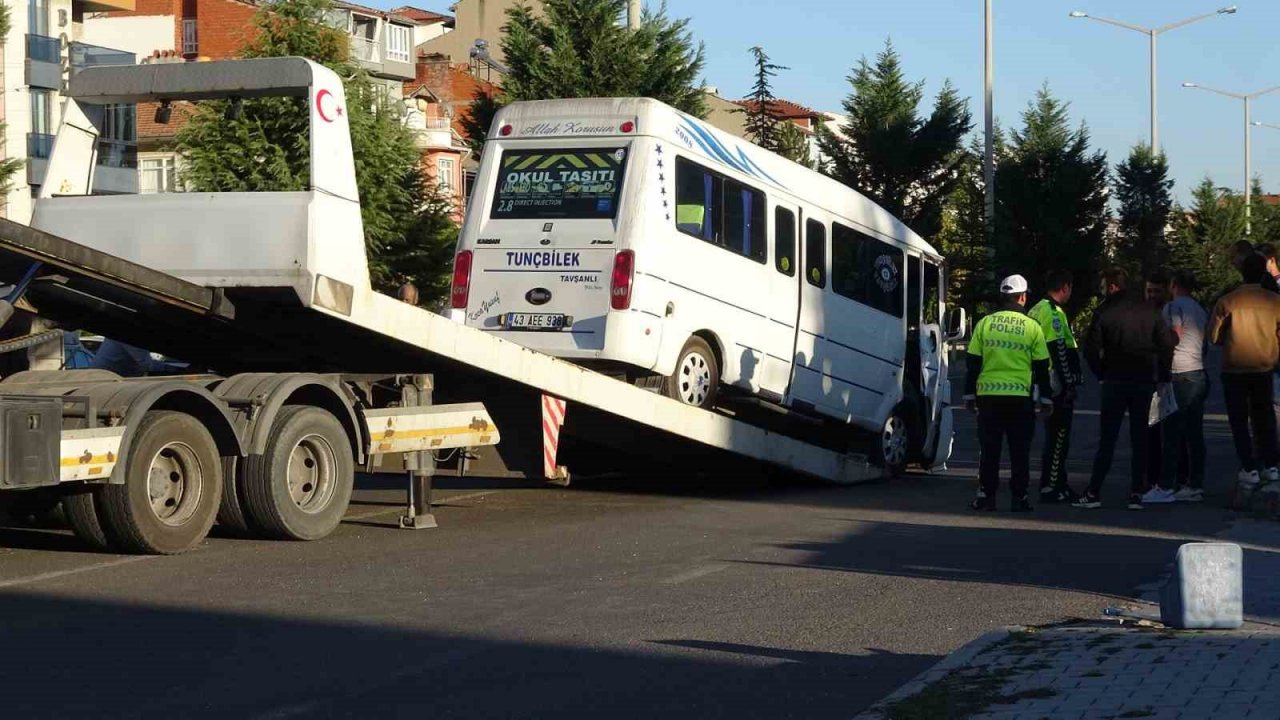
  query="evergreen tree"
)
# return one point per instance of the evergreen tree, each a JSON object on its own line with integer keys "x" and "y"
{"x": 581, "y": 48}
{"x": 907, "y": 164}
{"x": 1202, "y": 237}
{"x": 8, "y": 166}
{"x": 1143, "y": 190}
{"x": 408, "y": 232}
{"x": 762, "y": 127}
{"x": 1051, "y": 198}
{"x": 1265, "y": 219}
{"x": 793, "y": 144}
{"x": 963, "y": 237}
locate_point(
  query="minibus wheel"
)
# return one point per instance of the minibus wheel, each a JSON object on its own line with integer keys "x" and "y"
{"x": 696, "y": 380}
{"x": 892, "y": 444}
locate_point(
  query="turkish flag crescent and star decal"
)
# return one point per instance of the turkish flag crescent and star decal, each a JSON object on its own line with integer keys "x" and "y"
{"x": 332, "y": 111}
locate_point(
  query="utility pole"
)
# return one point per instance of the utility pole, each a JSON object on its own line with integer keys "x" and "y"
{"x": 633, "y": 14}
{"x": 988, "y": 156}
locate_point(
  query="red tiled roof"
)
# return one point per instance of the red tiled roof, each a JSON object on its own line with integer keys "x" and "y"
{"x": 782, "y": 109}
{"x": 418, "y": 15}
{"x": 1270, "y": 199}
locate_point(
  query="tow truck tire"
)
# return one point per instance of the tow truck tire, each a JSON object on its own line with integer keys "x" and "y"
{"x": 172, "y": 487}
{"x": 232, "y": 516}
{"x": 892, "y": 445}
{"x": 299, "y": 487}
{"x": 82, "y": 515}
{"x": 696, "y": 380}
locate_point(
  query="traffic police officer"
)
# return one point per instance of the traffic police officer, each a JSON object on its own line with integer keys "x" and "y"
{"x": 1006, "y": 354}
{"x": 1065, "y": 379}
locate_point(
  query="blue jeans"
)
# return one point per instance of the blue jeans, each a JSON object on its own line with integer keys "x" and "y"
{"x": 1185, "y": 428}
{"x": 1119, "y": 399}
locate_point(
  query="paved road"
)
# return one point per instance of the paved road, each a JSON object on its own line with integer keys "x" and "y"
{"x": 640, "y": 597}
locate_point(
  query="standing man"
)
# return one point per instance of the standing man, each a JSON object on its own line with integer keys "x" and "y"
{"x": 1245, "y": 323}
{"x": 1185, "y": 427}
{"x": 1156, "y": 292}
{"x": 1129, "y": 348}
{"x": 1006, "y": 354}
{"x": 1065, "y": 379}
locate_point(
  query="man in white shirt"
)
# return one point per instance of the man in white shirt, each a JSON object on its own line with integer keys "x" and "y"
{"x": 1185, "y": 427}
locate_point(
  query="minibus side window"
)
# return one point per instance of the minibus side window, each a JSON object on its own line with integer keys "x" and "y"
{"x": 697, "y": 201}
{"x": 784, "y": 241}
{"x": 866, "y": 270}
{"x": 815, "y": 253}
{"x": 744, "y": 220}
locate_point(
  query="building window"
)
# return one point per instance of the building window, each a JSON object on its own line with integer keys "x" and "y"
{"x": 190, "y": 41}
{"x": 38, "y": 17}
{"x": 444, "y": 175}
{"x": 157, "y": 175}
{"x": 468, "y": 183}
{"x": 41, "y": 112}
{"x": 118, "y": 147}
{"x": 399, "y": 43}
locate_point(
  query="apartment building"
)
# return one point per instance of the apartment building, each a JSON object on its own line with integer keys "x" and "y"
{"x": 47, "y": 44}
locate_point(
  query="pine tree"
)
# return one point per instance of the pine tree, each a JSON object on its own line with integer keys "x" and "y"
{"x": 8, "y": 166}
{"x": 1143, "y": 190}
{"x": 793, "y": 144}
{"x": 762, "y": 127}
{"x": 963, "y": 237}
{"x": 1051, "y": 198}
{"x": 408, "y": 234}
{"x": 1202, "y": 237}
{"x": 1265, "y": 219}
{"x": 580, "y": 48}
{"x": 907, "y": 164}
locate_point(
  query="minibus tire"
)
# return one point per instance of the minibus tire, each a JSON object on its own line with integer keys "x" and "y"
{"x": 891, "y": 447}
{"x": 696, "y": 357}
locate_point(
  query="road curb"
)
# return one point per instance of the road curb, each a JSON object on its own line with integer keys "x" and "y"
{"x": 959, "y": 658}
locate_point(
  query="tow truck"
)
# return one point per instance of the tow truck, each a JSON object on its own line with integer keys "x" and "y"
{"x": 312, "y": 374}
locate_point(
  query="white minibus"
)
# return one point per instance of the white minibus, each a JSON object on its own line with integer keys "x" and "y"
{"x": 636, "y": 239}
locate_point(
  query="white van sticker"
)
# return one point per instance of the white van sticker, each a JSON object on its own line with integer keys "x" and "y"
{"x": 550, "y": 259}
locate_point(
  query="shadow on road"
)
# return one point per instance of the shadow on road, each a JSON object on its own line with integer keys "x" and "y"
{"x": 71, "y": 658}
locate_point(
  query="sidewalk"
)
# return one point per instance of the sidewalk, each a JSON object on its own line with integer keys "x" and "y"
{"x": 1098, "y": 672}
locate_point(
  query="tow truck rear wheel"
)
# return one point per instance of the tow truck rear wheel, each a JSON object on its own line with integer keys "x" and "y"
{"x": 232, "y": 516}
{"x": 300, "y": 486}
{"x": 78, "y": 507}
{"x": 172, "y": 487}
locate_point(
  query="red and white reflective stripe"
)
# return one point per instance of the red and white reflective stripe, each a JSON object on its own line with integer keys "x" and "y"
{"x": 553, "y": 410}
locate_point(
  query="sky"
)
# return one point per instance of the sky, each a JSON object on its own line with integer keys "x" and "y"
{"x": 1101, "y": 70}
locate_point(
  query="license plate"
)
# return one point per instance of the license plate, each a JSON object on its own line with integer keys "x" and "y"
{"x": 535, "y": 321}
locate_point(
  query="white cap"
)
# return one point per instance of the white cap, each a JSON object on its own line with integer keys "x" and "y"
{"x": 1013, "y": 285}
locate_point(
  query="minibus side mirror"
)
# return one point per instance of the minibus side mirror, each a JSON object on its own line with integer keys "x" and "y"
{"x": 957, "y": 324}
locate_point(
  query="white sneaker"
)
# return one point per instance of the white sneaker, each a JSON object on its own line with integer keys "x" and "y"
{"x": 1188, "y": 494}
{"x": 1249, "y": 478}
{"x": 1272, "y": 488}
{"x": 1270, "y": 475}
{"x": 1157, "y": 495}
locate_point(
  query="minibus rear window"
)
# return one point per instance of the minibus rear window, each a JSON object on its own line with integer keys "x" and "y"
{"x": 584, "y": 183}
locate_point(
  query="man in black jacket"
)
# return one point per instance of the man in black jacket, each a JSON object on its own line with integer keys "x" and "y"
{"x": 1129, "y": 348}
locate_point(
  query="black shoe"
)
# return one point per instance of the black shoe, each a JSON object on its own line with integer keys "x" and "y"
{"x": 1135, "y": 502}
{"x": 1022, "y": 504}
{"x": 983, "y": 504}
{"x": 1056, "y": 496}
{"x": 1088, "y": 501}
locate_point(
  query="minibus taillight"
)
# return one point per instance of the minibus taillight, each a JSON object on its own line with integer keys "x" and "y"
{"x": 624, "y": 266}
{"x": 461, "y": 280}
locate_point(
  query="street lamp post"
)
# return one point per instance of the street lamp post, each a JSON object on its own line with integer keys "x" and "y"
{"x": 988, "y": 155}
{"x": 1248, "y": 142}
{"x": 1153, "y": 34}
{"x": 1266, "y": 125}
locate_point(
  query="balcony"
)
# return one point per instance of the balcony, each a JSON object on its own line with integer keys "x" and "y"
{"x": 366, "y": 51}
{"x": 39, "y": 146}
{"x": 84, "y": 55}
{"x": 116, "y": 171}
{"x": 44, "y": 62}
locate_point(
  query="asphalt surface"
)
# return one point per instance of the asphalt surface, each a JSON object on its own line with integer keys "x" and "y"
{"x": 635, "y": 597}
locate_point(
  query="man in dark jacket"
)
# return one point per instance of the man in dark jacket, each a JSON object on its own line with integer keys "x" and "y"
{"x": 1129, "y": 348}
